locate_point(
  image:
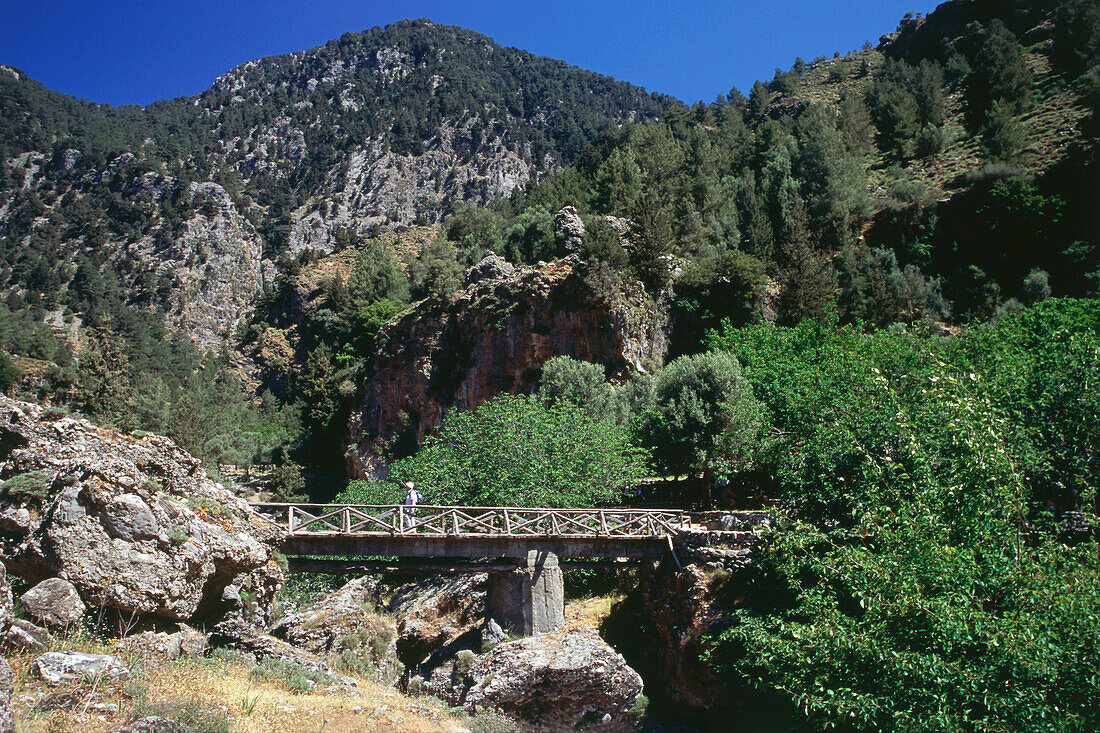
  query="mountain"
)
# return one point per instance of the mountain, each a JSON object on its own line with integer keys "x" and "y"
{"x": 240, "y": 268}
{"x": 188, "y": 203}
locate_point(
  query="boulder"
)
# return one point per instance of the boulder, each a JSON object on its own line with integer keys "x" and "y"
{"x": 491, "y": 267}
{"x": 346, "y": 622}
{"x": 57, "y": 668}
{"x": 321, "y": 627}
{"x": 434, "y": 611}
{"x": 7, "y": 708}
{"x": 54, "y": 603}
{"x": 560, "y": 681}
{"x": 22, "y": 635}
{"x": 239, "y": 635}
{"x": 133, "y": 523}
{"x": 569, "y": 229}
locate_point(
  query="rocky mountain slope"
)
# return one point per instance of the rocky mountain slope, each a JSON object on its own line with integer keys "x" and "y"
{"x": 183, "y": 199}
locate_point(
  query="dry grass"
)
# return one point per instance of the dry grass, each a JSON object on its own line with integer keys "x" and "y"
{"x": 224, "y": 687}
{"x": 589, "y": 613}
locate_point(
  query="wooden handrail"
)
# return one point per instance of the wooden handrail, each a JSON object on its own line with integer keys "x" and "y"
{"x": 459, "y": 521}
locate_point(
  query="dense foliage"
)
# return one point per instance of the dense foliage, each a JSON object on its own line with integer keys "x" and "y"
{"x": 942, "y": 575}
{"x": 516, "y": 451}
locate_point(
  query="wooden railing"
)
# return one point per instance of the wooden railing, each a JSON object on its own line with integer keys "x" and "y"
{"x": 454, "y": 521}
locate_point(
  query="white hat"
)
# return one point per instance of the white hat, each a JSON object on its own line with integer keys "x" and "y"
{"x": 409, "y": 484}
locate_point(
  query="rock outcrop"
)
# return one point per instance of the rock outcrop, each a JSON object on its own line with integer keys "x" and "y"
{"x": 134, "y": 524}
{"x": 434, "y": 611}
{"x": 494, "y": 338}
{"x": 560, "y": 681}
{"x": 662, "y": 625}
{"x": 54, "y": 603}
{"x": 58, "y": 668}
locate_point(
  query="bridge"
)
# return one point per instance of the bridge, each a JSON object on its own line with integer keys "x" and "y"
{"x": 519, "y": 547}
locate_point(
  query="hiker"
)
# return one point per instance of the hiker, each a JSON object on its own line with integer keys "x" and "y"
{"x": 412, "y": 498}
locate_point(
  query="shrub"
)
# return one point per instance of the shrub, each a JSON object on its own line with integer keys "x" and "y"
{"x": 194, "y": 713}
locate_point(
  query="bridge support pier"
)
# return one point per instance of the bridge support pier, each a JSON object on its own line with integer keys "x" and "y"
{"x": 529, "y": 600}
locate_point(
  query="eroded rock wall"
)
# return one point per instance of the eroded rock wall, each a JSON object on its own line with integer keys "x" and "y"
{"x": 494, "y": 338}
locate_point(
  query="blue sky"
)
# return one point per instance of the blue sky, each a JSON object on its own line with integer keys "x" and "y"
{"x": 140, "y": 51}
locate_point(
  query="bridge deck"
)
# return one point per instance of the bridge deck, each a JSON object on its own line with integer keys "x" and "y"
{"x": 350, "y": 530}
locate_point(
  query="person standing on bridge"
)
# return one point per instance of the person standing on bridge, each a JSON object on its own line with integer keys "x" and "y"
{"x": 412, "y": 498}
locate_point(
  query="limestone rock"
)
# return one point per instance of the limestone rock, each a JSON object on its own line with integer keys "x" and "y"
{"x": 57, "y": 668}
{"x": 239, "y": 635}
{"x": 7, "y": 709}
{"x": 434, "y": 611}
{"x": 134, "y": 523}
{"x": 54, "y": 603}
{"x": 491, "y": 634}
{"x": 558, "y": 681}
{"x": 6, "y": 617}
{"x": 25, "y": 636}
{"x": 491, "y": 267}
{"x": 494, "y": 338}
{"x": 569, "y": 229}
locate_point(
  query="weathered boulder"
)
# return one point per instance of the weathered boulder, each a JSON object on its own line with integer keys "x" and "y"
{"x": 7, "y": 708}
{"x": 346, "y": 622}
{"x": 57, "y": 668}
{"x": 54, "y": 603}
{"x": 5, "y": 600}
{"x": 493, "y": 338}
{"x": 132, "y": 523}
{"x": 569, "y": 229}
{"x": 237, "y": 634}
{"x": 491, "y": 267}
{"x": 186, "y": 642}
{"x": 434, "y": 611}
{"x": 22, "y": 635}
{"x": 560, "y": 681}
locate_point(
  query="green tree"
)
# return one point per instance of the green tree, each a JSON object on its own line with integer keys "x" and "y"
{"x": 1000, "y": 74}
{"x": 581, "y": 383}
{"x": 1003, "y": 137}
{"x": 901, "y": 621}
{"x": 10, "y": 374}
{"x": 517, "y": 451}
{"x": 105, "y": 380}
{"x": 704, "y": 418}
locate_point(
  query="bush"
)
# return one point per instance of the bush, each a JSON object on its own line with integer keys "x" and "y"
{"x": 296, "y": 677}
{"x": 194, "y": 713}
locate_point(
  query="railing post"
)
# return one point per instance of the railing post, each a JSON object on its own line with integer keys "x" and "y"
{"x": 345, "y": 521}
{"x": 400, "y": 520}
{"x": 507, "y": 523}
{"x": 454, "y": 520}
{"x": 290, "y": 519}
{"x": 603, "y": 522}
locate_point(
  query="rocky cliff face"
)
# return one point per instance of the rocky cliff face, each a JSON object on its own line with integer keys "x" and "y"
{"x": 494, "y": 338}
{"x": 133, "y": 523}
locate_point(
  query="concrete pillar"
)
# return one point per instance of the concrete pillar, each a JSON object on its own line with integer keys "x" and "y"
{"x": 529, "y": 600}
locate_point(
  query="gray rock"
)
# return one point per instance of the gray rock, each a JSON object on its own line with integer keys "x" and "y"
{"x": 7, "y": 709}
{"x": 153, "y": 724}
{"x": 327, "y": 625}
{"x": 555, "y": 681}
{"x": 54, "y": 603}
{"x": 434, "y": 611}
{"x": 57, "y": 668}
{"x": 129, "y": 518}
{"x": 112, "y": 520}
{"x": 5, "y": 600}
{"x": 25, "y": 636}
{"x": 491, "y": 267}
{"x": 491, "y": 635}
{"x": 569, "y": 229}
